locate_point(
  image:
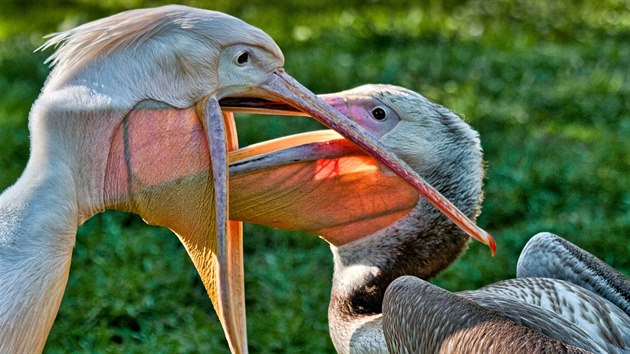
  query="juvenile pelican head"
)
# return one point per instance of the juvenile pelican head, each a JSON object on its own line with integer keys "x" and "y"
{"x": 378, "y": 227}
{"x": 363, "y": 197}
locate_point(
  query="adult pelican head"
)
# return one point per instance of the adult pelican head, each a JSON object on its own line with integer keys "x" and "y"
{"x": 126, "y": 119}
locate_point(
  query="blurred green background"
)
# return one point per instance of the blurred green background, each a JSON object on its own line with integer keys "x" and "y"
{"x": 546, "y": 83}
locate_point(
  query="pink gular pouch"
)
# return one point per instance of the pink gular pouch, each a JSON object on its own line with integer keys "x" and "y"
{"x": 319, "y": 181}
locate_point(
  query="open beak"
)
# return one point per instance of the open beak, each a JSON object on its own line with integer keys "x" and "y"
{"x": 281, "y": 87}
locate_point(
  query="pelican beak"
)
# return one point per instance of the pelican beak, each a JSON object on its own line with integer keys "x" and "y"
{"x": 282, "y": 87}
{"x": 221, "y": 269}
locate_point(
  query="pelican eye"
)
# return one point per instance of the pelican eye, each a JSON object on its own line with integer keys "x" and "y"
{"x": 379, "y": 113}
{"x": 243, "y": 58}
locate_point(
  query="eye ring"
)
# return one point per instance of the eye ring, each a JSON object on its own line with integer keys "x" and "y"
{"x": 242, "y": 59}
{"x": 379, "y": 113}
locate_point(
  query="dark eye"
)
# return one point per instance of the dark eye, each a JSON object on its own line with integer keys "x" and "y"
{"x": 243, "y": 58}
{"x": 379, "y": 113}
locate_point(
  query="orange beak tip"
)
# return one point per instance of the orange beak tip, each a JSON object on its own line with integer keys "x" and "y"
{"x": 492, "y": 244}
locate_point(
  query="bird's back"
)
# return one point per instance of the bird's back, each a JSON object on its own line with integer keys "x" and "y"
{"x": 419, "y": 317}
{"x": 558, "y": 309}
{"x": 549, "y": 256}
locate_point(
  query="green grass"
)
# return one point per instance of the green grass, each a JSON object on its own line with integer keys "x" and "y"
{"x": 545, "y": 83}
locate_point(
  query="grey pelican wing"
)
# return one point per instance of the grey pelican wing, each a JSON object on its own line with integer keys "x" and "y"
{"x": 544, "y": 321}
{"x": 419, "y": 317}
{"x": 601, "y": 320}
{"x": 550, "y": 256}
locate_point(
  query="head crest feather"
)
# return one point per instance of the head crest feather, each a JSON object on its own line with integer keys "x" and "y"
{"x": 80, "y": 45}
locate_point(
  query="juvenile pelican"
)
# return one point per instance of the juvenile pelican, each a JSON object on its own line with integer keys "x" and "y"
{"x": 380, "y": 231}
{"x": 127, "y": 120}
{"x": 378, "y": 228}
